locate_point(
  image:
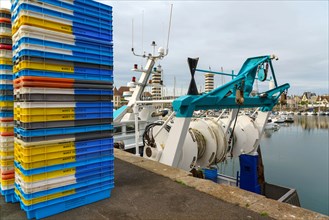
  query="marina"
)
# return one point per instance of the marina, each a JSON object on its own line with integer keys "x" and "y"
{"x": 71, "y": 138}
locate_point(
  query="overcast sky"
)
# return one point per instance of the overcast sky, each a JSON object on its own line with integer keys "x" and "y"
{"x": 224, "y": 34}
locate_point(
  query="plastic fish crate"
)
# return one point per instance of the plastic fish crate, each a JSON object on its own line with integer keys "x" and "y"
{"x": 5, "y": 40}
{"x": 59, "y": 118}
{"x": 6, "y": 77}
{"x": 64, "y": 64}
{"x": 63, "y": 75}
{"x": 7, "y": 187}
{"x": 6, "y": 67}
{"x": 65, "y": 203}
{"x": 8, "y": 175}
{"x": 6, "y": 61}
{"x": 5, "y": 14}
{"x": 5, "y": 46}
{"x": 56, "y": 124}
{"x": 5, "y": 25}
{"x": 38, "y": 163}
{"x": 86, "y": 48}
{"x": 76, "y": 57}
{"x": 46, "y": 198}
{"x": 96, "y": 12}
{"x": 9, "y": 195}
{"x": 48, "y": 82}
{"x": 72, "y": 69}
{"x": 63, "y": 91}
{"x": 77, "y": 137}
{"x": 57, "y": 13}
{"x": 6, "y": 92}
{"x": 54, "y": 37}
{"x": 34, "y": 187}
{"x": 6, "y": 53}
{"x": 6, "y": 72}
{"x": 6, "y": 184}
{"x": 90, "y": 166}
{"x": 5, "y": 87}
{"x": 65, "y": 27}
{"x": 70, "y": 186}
{"x": 59, "y": 145}
{"x": 73, "y": 54}
{"x": 7, "y": 155}
{"x": 5, "y": 31}
{"x": 56, "y": 98}
{"x": 5, "y": 114}
{"x": 45, "y": 105}
{"x": 6, "y": 104}
{"x": 6, "y": 141}
{"x": 62, "y": 131}
{"x": 47, "y": 46}
{"x": 58, "y": 111}
{"x": 21, "y": 152}
{"x": 82, "y": 190}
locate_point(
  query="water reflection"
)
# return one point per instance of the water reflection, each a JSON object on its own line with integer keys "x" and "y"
{"x": 312, "y": 122}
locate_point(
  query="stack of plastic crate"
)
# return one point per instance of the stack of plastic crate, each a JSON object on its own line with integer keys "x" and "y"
{"x": 63, "y": 108}
{"x": 6, "y": 108}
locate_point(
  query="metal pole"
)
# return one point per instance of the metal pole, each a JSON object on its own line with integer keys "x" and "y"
{"x": 164, "y": 124}
{"x": 135, "y": 108}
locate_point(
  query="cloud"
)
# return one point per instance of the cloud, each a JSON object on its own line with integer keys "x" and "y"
{"x": 224, "y": 34}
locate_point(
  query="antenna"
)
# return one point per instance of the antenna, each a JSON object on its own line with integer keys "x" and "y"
{"x": 143, "y": 31}
{"x": 132, "y": 34}
{"x": 167, "y": 49}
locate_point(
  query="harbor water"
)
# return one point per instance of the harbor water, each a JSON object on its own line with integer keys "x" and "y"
{"x": 296, "y": 156}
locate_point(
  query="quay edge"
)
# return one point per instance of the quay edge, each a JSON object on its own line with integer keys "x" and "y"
{"x": 233, "y": 195}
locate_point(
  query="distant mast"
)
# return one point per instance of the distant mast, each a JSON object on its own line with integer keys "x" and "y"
{"x": 209, "y": 81}
{"x": 157, "y": 83}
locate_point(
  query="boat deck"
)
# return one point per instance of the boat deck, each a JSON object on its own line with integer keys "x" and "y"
{"x": 142, "y": 194}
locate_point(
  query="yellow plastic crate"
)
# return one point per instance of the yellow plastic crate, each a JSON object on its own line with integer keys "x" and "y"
{"x": 6, "y": 104}
{"x": 7, "y": 182}
{"x": 43, "y": 66}
{"x": 44, "y": 198}
{"x": 43, "y": 118}
{"x": 44, "y": 111}
{"x": 6, "y": 129}
{"x": 7, "y": 162}
{"x": 42, "y": 23}
{"x": 42, "y": 157}
{"x": 45, "y": 176}
{"x": 6, "y": 61}
{"x": 6, "y": 153}
{"x": 44, "y": 163}
{"x": 44, "y": 149}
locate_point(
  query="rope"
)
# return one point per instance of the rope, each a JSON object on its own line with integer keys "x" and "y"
{"x": 200, "y": 140}
{"x": 231, "y": 136}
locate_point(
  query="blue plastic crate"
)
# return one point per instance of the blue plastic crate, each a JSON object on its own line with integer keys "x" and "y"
{"x": 66, "y": 203}
{"x": 9, "y": 195}
{"x": 6, "y": 86}
{"x": 82, "y": 157}
{"x": 95, "y": 163}
{"x": 6, "y": 67}
{"x": 103, "y": 12}
{"x": 4, "y": 114}
{"x": 73, "y": 18}
{"x": 76, "y": 57}
{"x": 60, "y": 131}
{"x": 6, "y": 77}
{"x": 79, "y": 46}
{"x": 7, "y": 98}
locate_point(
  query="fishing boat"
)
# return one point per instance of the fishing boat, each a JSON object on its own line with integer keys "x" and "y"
{"x": 199, "y": 144}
